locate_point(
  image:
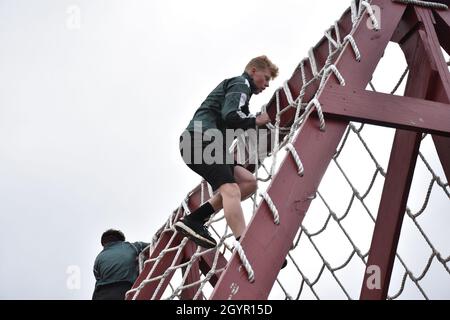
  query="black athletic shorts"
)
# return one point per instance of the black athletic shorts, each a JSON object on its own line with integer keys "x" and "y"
{"x": 216, "y": 174}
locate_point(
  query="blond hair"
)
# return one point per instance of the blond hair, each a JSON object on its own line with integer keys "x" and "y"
{"x": 261, "y": 63}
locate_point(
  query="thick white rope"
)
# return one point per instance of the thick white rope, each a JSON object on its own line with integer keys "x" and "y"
{"x": 332, "y": 68}
{"x": 338, "y": 34}
{"x": 202, "y": 190}
{"x": 350, "y": 39}
{"x": 296, "y": 157}
{"x": 300, "y": 98}
{"x": 315, "y": 103}
{"x": 426, "y": 4}
{"x": 273, "y": 209}
{"x": 354, "y": 12}
{"x": 277, "y": 133}
{"x": 331, "y": 40}
{"x": 245, "y": 262}
{"x": 288, "y": 93}
{"x": 371, "y": 14}
{"x": 312, "y": 61}
{"x": 210, "y": 190}
{"x": 302, "y": 71}
{"x": 185, "y": 207}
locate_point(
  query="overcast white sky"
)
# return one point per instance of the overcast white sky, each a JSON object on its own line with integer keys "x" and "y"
{"x": 90, "y": 117}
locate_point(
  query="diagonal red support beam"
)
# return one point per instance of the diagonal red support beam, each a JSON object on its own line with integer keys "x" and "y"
{"x": 162, "y": 265}
{"x": 443, "y": 28}
{"x": 386, "y": 110}
{"x": 390, "y": 215}
{"x": 206, "y": 263}
{"x": 407, "y": 26}
{"x": 442, "y": 145}
{"x": 164, "y": 242}
{"x": 267, "y": 244}
{"x": 193, "y": 276}
{"x": 422, "y": 81}
{"x": 441, "y": 91}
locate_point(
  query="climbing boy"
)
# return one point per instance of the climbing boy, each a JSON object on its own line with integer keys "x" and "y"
{"x": 225, "y": 108}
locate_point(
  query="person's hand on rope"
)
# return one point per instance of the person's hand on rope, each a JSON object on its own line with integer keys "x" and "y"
{"x": 262, "y": 119}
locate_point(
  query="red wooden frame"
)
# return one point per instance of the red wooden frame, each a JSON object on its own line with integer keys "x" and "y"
{"x": 426, "y": 74}
{"x": 420, "y": 33}
{"x": 267, "y": 244}
{"x": 386, "y": 110}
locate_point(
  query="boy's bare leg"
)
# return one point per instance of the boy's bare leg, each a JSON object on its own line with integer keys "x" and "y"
{"x": 247, "y": 186}
{"x": 230, "y": 196}
{"x": 231, "y": 200}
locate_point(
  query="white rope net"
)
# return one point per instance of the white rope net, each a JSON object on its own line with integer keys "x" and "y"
{"x": 329, "y": 254}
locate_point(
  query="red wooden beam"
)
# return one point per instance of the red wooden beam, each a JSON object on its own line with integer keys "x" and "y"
{"x": 163, "y": 243}
{"x": 443, "y": 28}
{"x": 206, "y": 263}
{"x": 387, "y": 110}
{"x": 390, "y": 214}
{"x": 193, "y": 275}
{"x": 421, "y": 83}
{"x": 162, "y": 265}
{"x": 407, "y": 26}
{"x": 193, "y": 201}
{"x": 442, "y": 145}
{"x": 267, "y": 244}
{"x": 441, "y": 91}
{"x": 396, "y": 188}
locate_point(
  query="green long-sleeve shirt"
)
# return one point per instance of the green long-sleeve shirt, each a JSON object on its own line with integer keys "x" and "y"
{"x": 226, "y": 106}
{"x": 118, "y": 261}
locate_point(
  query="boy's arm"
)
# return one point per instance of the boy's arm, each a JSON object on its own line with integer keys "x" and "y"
{"x": 235, "y": 98}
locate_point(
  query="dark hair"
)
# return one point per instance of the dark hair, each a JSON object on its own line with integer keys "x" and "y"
{"x": 112, "y": 235}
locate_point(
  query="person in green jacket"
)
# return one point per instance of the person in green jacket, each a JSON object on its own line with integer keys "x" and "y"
{"x": 116, "y": 267}
{"x": 225, "y": 108}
